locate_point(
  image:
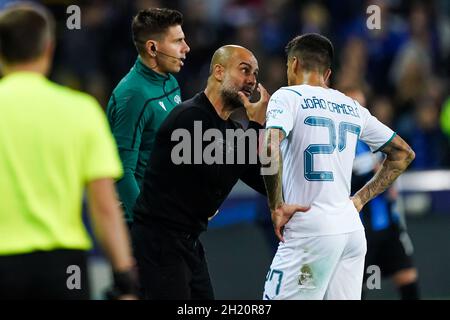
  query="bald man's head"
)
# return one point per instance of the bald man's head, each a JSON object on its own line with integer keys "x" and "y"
{"x": 225, "y": 54}
{"x": 233, "y": 69}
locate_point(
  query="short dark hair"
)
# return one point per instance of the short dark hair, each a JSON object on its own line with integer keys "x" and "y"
{"x": 153, "y": 23}
{"x": 25, "y": 30}
{"x": 313, "y": 50}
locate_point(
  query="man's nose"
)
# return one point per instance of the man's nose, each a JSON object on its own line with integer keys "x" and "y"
{"x": 251, "y": 80}
{"x": 187, "y": 49}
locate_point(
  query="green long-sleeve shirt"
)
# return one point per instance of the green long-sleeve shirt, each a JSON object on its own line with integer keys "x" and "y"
{"x": 137, "y": 107}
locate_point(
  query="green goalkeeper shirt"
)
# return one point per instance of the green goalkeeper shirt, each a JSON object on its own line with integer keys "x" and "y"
{"x": 138, "y": 105}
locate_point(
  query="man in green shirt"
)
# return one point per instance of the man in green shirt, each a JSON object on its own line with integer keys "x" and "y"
{"x": 146, "y": 95}
{"x": 54, "y": 143}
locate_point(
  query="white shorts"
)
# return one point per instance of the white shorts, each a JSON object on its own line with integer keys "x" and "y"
{"x": 316, "y": 268}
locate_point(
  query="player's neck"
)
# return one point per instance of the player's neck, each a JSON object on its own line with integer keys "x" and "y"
{"x": 312, "y": 78}
{"x": 40, "y": 66}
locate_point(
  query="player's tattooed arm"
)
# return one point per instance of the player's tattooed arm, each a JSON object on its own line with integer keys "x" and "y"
{"x": 272, "y": 172}
{"x": 273, "y": 169}
{"x": 398, "y": 157}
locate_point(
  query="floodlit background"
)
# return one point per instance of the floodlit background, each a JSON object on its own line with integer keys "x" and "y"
{"x": 403, "y": 68}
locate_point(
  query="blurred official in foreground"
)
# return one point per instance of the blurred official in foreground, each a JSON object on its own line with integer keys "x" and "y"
{"x": 54, "y": 142}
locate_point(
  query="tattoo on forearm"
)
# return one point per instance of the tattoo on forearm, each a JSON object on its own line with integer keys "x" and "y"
{"x": 380, "y": 182}
{"x": 399, "y": 156}
{"x": 274, "y": 190}
{"x": 274, "y": 182}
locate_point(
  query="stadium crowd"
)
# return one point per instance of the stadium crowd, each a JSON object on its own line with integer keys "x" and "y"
{"x": 403, "y": 67}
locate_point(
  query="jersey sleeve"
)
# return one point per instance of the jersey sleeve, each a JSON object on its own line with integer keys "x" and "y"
{"x": 100, "y": 155}
{"x": 373, "y": 132}
{"x": 281, "y": 110}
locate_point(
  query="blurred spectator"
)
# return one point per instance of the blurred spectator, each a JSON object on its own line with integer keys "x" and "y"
{"x": 273, "y": 31}
{"x": 237, "y": 13}
{"x": 383, "y": 110}
{"x": 202, "y": 31}
{"x": 425, "y": 136}
{"x": 353, "y": 64}
{"x": 315, "y": 18}
{"x": 413, "y": 65}
{"x": 381, "y": 44}
{"x": 82, "y": 50}
{"x": 274, "y": 74}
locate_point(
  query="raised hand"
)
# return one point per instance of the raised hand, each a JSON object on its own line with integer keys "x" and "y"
{"x": 256, "y": 111}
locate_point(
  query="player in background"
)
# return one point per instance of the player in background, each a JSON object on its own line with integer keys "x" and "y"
{"x": 146, "y": 95}
{"x": 388, "y": 244}
{"x": 311, "y": 136}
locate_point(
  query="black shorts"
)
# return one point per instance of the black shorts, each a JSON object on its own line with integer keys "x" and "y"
{"x": 171, "y": 264}
{"x": 390, "y": 249}
{"x": 44, "y": 275}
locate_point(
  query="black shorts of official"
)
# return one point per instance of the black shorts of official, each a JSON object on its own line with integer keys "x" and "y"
{"x": 171, "y": 264}
{"x": 386, "y": 248}
{"x": 44, "y": 275}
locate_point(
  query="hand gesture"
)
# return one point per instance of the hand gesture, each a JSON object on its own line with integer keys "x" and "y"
{"x": 256, "y": 111}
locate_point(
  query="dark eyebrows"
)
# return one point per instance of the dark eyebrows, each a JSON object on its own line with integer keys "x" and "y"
{"x": 249, "y": 65}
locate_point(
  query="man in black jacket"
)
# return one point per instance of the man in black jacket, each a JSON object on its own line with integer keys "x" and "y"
{"x": 199, "y": 155}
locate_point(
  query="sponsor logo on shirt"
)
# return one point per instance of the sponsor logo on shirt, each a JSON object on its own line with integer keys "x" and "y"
{"x": 177, "y": 99}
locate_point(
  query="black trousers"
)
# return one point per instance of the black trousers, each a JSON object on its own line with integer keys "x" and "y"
{"x": 44, "y": 275}
{"x": 171, "y": 264}
{"x": 386, "y": 250}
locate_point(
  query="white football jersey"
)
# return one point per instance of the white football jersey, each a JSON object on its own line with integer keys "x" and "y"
{"x": 321, "y": 127}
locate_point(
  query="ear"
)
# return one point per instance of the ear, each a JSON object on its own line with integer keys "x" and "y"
{"x": 327, "y": 75}
{"x": 150, "y": 47}
{"x": 219, "y": 72}
{"x": 295, "y": 64}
